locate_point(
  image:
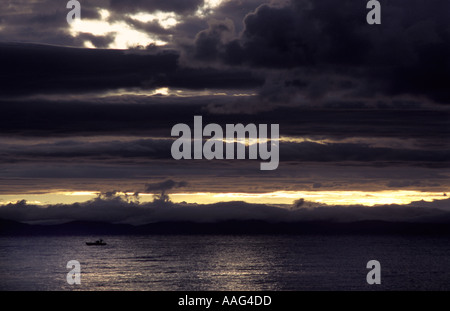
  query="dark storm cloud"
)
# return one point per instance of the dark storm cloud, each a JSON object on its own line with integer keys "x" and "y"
{"x": 42, "y": 69}
{"x": 37, "y": 69}
{"x": 406, "y": 54}
{"x": 236, "y": 10}
{"x": 207, "y": 42}
{"x": 308, "y": 151}
{"x": 103, "y": 151}
{"x": 43, "y": 118}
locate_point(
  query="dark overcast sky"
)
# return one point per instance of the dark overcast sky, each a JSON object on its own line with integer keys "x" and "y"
{"x": 360, "y": 107}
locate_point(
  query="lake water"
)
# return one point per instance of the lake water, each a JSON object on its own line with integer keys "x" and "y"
{"x": 260, "y": 262}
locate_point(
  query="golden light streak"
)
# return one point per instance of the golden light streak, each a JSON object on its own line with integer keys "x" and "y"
{"x": 170, "y": 92}
{"x": 248, "y": 141}
{"x": 78, "y": 193}
{"x": 290, "y": 139}
{"x": 366, "y": 198}
{"x": 370, "y": 198}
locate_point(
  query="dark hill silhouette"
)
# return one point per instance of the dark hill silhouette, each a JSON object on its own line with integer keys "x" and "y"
{"x": 8, "y": 227}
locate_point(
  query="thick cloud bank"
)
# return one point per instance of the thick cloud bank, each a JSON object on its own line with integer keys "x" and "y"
{"x": 115, "y": 209}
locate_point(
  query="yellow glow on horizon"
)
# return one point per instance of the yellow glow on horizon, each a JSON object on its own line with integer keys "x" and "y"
{"x": 366, "y": 198}
{"x": 297, "y": 140}
{"x": 325, "y": 197}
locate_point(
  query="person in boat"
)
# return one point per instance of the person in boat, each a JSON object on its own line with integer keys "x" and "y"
{"x": 98, "y": 242}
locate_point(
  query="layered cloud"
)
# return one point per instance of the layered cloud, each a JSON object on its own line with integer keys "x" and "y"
{"x": 324, "y": 49}
{"x": 359, "y": 106}
{"x": 153, "y": 149}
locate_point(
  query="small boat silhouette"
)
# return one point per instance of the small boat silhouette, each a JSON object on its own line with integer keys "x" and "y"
{"x": 98, "y": 242}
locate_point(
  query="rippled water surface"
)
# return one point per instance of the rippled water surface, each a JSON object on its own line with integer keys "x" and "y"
{"x": 225, "y": 263}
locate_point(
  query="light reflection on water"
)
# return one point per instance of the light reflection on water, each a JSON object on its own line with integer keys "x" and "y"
{"x": 224, "y": 262}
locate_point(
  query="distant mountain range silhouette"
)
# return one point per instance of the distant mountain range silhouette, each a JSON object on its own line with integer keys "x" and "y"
{"x": 12, "y": 228}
